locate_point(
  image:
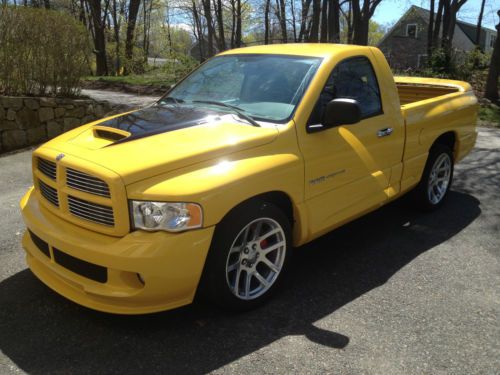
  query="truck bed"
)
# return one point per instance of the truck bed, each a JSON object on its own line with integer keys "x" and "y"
{"x": 431, "y": 107}
{"x": 415, "y": 89}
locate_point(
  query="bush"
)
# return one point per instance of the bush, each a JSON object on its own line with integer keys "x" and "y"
{"x": 460, "y": 65}
{"x": 42, "y": 52}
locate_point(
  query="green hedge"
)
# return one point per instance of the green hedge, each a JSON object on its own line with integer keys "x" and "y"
{"x": 42, "y": 52}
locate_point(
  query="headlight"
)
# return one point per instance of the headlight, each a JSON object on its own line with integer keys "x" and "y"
{"x": 172, "y": 217}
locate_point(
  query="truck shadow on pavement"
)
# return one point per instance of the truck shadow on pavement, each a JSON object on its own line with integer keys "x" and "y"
{"x": 42, "y": 332}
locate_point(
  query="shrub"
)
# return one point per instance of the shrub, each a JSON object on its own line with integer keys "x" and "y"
{"x": 42, "y": 52}
{"x": 460, "y": 65}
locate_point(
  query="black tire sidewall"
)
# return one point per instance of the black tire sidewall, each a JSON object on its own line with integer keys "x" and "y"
{"x": 214, "y": 284}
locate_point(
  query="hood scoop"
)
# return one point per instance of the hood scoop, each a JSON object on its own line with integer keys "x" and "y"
{"x": 110, "y": 134}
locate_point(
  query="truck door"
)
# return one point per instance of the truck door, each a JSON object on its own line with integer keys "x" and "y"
{"x": 348, "y": 168}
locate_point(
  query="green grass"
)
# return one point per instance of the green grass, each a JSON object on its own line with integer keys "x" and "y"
{"x": 490, "y": 115}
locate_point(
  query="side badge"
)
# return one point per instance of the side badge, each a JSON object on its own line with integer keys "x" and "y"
{"x": 59, "y": 157}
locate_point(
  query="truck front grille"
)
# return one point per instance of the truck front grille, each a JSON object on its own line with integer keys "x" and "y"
{"x": 91, "y": 211}
{"x": 48, "y": 168}
{"x": 87, "y": 183}
{"x": 95, "y": 201}
{"x": 49, "y": 193}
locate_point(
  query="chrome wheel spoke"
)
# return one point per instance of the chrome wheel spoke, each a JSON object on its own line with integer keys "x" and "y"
{"x": 245, "y": 236}
{"x": 235, "y": 249}
{"x": 271, "y": 248}
{"x": 269, "y": 234}
{"x": 233, "y": 266}
{"x": 261, "y": 279}
{"x": 248, "y": 281}
{"x": 237, "y": 281}
{"x": 270, "y": 264}
{"x": 257, "y": 231}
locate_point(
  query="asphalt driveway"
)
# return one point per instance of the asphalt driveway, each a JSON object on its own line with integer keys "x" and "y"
{"x": 396, "y": 292}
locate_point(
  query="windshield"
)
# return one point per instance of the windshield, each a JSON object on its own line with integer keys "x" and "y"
{"x": 264, "y": 87}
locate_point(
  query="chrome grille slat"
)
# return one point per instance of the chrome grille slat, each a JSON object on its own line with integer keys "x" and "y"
{"x": 86, "y": 183}
{"x": 85, "y": 210}
{"x": 91, "y": 211}
{"x": 48, "y": 168}
{"x": 93, "y": 218}
{"x": 77, "y": 177}
{"x": 49, "y": 193}
{"x": 78, "y": 212}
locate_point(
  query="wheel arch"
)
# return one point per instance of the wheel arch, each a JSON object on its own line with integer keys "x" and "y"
{"x": 448, "y": 139}
{"x": 292, "y": 210}
{"x": 281, "y": 199}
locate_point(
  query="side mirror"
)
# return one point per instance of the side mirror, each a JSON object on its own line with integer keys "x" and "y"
{"x": 338, "y": 112}
{"x": 341, "y": 112}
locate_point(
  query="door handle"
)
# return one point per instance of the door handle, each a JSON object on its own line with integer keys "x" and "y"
{"x": 384, "y": 132}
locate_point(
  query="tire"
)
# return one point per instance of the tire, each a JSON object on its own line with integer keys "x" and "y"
{"x": 436, "y": 180}
{"x": 248, "y": 258}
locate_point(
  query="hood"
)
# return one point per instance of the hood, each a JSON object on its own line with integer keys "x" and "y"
{"x": 156, "y": 140}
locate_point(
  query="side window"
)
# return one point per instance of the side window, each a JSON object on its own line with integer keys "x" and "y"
{"x": 353, "y": 78}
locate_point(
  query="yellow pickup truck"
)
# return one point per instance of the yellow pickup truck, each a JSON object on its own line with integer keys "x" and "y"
{"x": 257, "y": 151}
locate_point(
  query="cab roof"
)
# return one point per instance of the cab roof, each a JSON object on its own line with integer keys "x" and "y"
{"x": 298, "y": 49}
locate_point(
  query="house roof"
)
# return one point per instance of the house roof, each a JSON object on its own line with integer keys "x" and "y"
{"x": 469, "y": 29}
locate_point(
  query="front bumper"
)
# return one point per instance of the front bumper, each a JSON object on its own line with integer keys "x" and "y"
{"x": 170, "y": 264}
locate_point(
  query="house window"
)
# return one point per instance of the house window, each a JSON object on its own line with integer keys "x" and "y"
{"x": 411, "y": 30}
{"x": 421, "y": 61}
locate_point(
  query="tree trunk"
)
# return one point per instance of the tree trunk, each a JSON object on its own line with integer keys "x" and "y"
{"x": 313, "y": 35}
{"x": 99, "y": 38}
{"x": 450, "y": 11}
{"x": 133, "y": 10}
{"x": 306, "y": 4}
{"x": 220, "y": 24}
{"x": 198, "y": 30}
{"x": 360, "y": 24}
{"x": 361, "y": 19}
{"x": 437, "y": 24}
{"x": 238, "y": 32}
{"x": 334, "y": 21}
{"x": 294, "y": 25}
{"x": 210, "y": 35}
{"x": 233, "y": 24}
{"x": 491, "y": 91}
{"x": 430, "y": 31}
{"x": 479, "y": 22}
{"x": 116, "y": 15}
{"x": 281, "y": 15}
{"x": 324, "y": 22}
{"x": 266, "y": 21}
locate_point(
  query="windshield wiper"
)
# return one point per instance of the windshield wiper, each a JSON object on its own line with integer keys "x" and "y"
{"x": 237, "y": 110}
{"x": 171, "y": 99}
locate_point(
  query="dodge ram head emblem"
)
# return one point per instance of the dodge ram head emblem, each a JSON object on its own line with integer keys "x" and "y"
{"x": 59, "y": 157}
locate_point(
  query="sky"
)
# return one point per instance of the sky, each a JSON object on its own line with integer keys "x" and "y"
{"x": 389, "y": 11}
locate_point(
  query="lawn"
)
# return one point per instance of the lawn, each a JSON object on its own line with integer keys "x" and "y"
{"x": 489, "y": 115}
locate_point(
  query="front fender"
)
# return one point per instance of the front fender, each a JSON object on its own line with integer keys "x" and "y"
{"x": 219, "y": 185}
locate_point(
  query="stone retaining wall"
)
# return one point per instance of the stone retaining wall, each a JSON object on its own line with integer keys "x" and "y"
{"x": 26, "y": 121}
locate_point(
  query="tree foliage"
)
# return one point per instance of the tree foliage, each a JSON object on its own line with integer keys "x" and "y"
{"x": 42, "y": 52}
